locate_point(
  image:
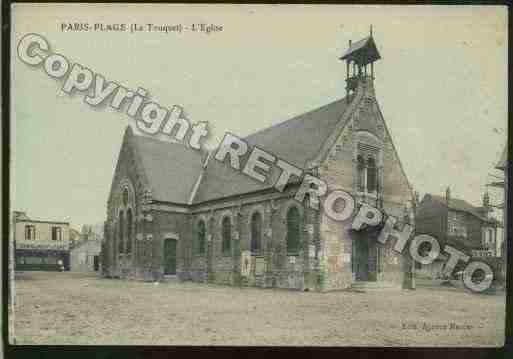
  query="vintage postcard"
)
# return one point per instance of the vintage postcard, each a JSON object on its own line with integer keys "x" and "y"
{"x": 263, "y": 175}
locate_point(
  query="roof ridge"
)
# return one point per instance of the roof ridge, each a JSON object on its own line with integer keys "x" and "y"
{"x": 452, "y": 198}
{"x": 184, "y": 144}
{"x": 293, "y": 118}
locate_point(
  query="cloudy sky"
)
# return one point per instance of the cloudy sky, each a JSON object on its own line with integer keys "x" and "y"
{"x": 441, "y": 85}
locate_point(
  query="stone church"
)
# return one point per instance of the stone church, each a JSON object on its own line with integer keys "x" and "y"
{"x": 175, "y": 211}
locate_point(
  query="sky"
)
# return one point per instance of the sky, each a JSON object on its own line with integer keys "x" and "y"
{"x": 441, "y": 85}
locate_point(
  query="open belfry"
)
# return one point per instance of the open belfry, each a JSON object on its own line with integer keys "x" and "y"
{"x": 176, "y": 211}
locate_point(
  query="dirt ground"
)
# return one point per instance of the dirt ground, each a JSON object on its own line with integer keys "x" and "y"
{"x": 72, "y": 308}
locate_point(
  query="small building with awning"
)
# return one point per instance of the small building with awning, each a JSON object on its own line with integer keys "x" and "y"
{"x": 40, "y": 244}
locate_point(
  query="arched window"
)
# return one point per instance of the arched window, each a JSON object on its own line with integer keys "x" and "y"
{"x": 256, "y": 233}
{"x": 121, "y": 233}
{"x": 371, "y": 175}
{"x": 201, "y": 237}
{"x": 360, "y": 168}
{"x": 293, "y": 230}
{"x": 125, "y": 196}
{"x": 129, "y": 231}
{"x": 227, "y": 234}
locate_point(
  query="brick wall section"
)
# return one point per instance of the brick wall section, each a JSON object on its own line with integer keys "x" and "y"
{"x": 278, "y": 268}
{"x": 127, "y": 265}
{"x": 336, "y": 243}
{"x": 434, "y": 219}
{"x": 165, "y": 223}
{"x": 339, "y": 172}
{"x": 397, "y": 202}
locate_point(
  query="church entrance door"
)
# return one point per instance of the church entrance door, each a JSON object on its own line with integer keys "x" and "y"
{"x": 365, "y": 256}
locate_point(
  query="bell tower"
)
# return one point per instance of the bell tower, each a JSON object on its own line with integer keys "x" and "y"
{"x": 360, "y": 58}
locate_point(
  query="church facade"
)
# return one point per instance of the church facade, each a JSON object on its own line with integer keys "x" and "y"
{"x": 175, "y": 211}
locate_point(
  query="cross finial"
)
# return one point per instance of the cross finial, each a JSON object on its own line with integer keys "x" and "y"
{"x": 371, "y": 30}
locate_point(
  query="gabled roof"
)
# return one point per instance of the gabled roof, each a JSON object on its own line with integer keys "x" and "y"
{"x": 296, "y": 141}
{"x": 171, "y": 168}
{"x": 300, "y": 138}
{"x": 362, "y": 52}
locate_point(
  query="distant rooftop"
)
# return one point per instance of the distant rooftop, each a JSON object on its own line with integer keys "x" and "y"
{"x": 461, "y": 205}
{"x": 22, "y": 217}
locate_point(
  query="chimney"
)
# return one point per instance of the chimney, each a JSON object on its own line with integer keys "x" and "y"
{"x": 448, "y": 196}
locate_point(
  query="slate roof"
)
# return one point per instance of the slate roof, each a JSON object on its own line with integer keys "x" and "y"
{"x": 363, "y": 51}
{"x": 172, "y": 169}
{"x": 296, "y": 141}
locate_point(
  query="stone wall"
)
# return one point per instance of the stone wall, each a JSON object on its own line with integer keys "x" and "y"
{"x": 126, "y": 265}
{"x": 170, "y": 225}
{"x": 272, "y": 266}
{"x": 339, "y": 170}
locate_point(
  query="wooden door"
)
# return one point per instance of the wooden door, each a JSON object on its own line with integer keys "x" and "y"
{"x": 361, "y": 257}
{"x": 170, "y": 256}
